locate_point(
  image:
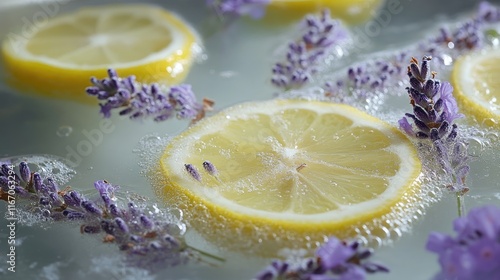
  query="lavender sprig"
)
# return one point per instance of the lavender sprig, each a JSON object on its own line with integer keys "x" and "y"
{"x": 252, "y": 8}
{"x": 146, "y": 101}
{"x": 434, "y": 113}
{"x": 474, "y": 253}
{"x": 467, "y": 35}
{"x": 149, "y": 238}
{"x": 321, "y": 34}
{"x": 334, "y": 260}
{"x": 366, "y": 78}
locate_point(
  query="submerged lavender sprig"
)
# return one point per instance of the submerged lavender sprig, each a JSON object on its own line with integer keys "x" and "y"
{"x": 252, "y": 8}
{"x": 334, "y": 260}
{"x": 146, "y": 101}
{"x": 435, "y": 111}
{"x": 320, "y": 36}
{"x": 367, "y": 79}
{"x": 149, "y": 237}
{"x": 467, "y": 35}
{"x": 474, "y": 253}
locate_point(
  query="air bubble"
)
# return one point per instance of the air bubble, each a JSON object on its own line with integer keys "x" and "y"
{"x": 64, "y": 131}
{"x": 476, "y": 147}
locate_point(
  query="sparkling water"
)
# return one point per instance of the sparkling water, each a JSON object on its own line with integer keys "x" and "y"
{"x": 66, "y": 139}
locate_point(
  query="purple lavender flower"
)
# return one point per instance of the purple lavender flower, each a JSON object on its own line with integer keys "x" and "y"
{"x": 147, "y": 237}
{"x": 434, "y": 113}
{"x": 464, "y": 37}
{"x": 210, "y": 168}
{"x": 434, "y": 107}
{"x": 369, "y": 77}
{"x": 145, "y": 101}
{"x": 321, "y": 34}
{"x": 474, "y": 253}
{"x": 192, "y": 171}
{"x": 253, "y": 8}
{"x": 334, "y": 260}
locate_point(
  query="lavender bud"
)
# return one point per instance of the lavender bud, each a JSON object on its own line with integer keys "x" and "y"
{"x": 146, "y": 222}
{"x": 91, "y": 208}
{"x": 54, "y": 199}
{"x": 210, "y": 168}
{"x": 52, "y": 185}
{"x": 24, "y": 171}
{"x": 37, "y": 182}
{"x": 415, "y": 72}
{"x": 5, "y": 170}
{"x": 122, "y": 226}
{"x": 415, "y": 83}
{"x": 193, "y": 171}
{"x": 424, "y": 69}
{"x": 113, "y": 209}
{"x": 76, "y": 197}
{"x": 75, "y": 216}
{"x": 68, "y": 200}
{"x": 106, "y": 199}
{"x": 421, "y": 114}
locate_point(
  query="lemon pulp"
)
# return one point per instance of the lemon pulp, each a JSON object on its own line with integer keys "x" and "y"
{"x": 477, "y": 87}
{"x": 59, "y": 58}
{"x": 290, "y": 169}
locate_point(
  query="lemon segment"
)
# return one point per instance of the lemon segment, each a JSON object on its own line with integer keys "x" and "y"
{"x": 59, "y": 58}
{"x": 353, "y": 12}
{"x": 292, "y": 168}
{"x": 477, "y": 87}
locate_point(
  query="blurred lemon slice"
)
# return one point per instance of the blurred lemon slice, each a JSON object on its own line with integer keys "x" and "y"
{"x": 289, "y": 168}
{"x": 59, "y": 58}
{"x": 351, "y": 11}
{"x": 477, "y": 85}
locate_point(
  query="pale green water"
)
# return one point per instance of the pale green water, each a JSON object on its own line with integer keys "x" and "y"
{"x": 32, "y": 125}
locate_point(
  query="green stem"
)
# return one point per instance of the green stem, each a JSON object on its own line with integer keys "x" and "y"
{"x": 206, "y": 254}
{"x": 460, "y": 204}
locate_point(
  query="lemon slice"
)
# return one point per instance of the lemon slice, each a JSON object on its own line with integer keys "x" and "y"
{"x": 351, "y": 11}
{"x": 289, "y": 169}
{"x": 477, "y": 86}
{"x": 60, "y": 56}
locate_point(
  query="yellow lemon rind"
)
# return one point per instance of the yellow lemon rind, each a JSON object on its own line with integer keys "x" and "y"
{"x": 467, "y": 104}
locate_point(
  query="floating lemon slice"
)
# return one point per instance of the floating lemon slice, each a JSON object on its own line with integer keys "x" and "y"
{"x": 289, "y": 169}
{"x": 354, "y": 11}
{"x": 477, "y": 85}
{"x": 60, "y": 56}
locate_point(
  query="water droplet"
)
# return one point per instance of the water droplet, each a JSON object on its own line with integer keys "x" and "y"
{"x": 64, "y": 131}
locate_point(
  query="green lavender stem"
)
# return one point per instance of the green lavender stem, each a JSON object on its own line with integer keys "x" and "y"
{"x": 460, "y": 204}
